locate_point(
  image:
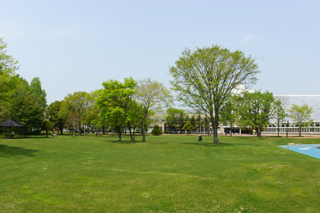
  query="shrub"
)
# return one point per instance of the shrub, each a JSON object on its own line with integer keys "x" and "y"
{"x": 156, "y": 130}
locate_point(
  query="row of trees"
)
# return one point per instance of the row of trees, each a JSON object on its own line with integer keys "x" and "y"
{"x": 119, "y": 104}
{"x": 256, "y": 109}
{"x": 177, "y": 119}
{"x": 204, "y": 80}
{"x": 19, "y": 100}
{"x": 252, "y": 109}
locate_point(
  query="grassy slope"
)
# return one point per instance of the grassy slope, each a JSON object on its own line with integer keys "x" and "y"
{"x": 165, "y": 174}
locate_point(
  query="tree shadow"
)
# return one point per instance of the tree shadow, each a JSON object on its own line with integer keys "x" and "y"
{"x": 9, "y": 151}
{"x": 126, "y": 142}
{"x": 211, "y": 144}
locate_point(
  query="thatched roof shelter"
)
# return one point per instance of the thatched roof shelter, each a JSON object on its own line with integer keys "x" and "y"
{"x": 10, "y": 124}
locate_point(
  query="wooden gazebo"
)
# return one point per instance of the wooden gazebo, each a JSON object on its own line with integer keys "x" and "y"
{"x": 10, "y": 124}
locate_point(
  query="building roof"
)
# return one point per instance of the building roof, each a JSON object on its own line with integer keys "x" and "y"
{"x": 311, "y": 100}
{"x": 10, "y": 123}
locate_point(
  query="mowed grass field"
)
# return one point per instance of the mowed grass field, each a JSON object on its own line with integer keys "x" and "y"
{"x": 168, "y": 173}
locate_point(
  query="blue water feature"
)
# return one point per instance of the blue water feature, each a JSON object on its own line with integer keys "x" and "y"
{"x": 306, "y": 149}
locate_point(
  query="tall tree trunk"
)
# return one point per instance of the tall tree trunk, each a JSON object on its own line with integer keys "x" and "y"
{"x": 299, "y": 131}
{"x": 258, "y": 130}
{"x": 46, "y": 132}
{"x": 112, "y": 132}
{"x": 73, "y": 127}
{"x": 79, "y": 128}
{"x": 215, "y": 123}
{"x": 131, "y": 136}
{"x": 134, "y": 133}
{"x": 61, "y": 130}
{"x": 215, "y": 131}
{"x": 142, "y": 130}
{"x": 119, "y": 132}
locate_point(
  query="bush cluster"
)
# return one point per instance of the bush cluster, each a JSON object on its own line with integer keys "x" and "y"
{"x": 156, "y": 130}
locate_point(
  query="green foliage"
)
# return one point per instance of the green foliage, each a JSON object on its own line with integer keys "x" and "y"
{"x": 115, "y": 101}
{"x": 47, "y": 125}
{"x": 188, "y": 127}
{"x": 8, "y": 80}
{"x": 153, "y": 96}
{"x": 205, "y": 78}
{"x": 92, "y": 117}
{"x": 8, "y": 77}
{"x": 73, "y": 108}
{"x": 52, "y": 113}
{"x": 135, "y": 118}
{"x": 301, "y": 115}
{"x": 255, "y": 109}
{"x": 278, "y": 113}
{"x": 175, "y": 117}
{"x": 156, "y": 130}
{"x": 36, "y": 89}
{"x": 26, "y": 109}
{"x": 230, "y": 112}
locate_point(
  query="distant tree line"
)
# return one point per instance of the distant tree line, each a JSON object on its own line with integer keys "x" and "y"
{"x": 204, "y": 80}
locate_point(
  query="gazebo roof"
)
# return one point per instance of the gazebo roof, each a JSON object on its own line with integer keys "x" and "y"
{"x": 10, "y": 123}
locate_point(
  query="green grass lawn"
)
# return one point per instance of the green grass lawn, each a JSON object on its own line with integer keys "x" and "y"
{"x": 165, "y": 174}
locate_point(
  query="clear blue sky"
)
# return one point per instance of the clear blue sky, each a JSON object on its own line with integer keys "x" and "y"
{"x": 76, "y": 45}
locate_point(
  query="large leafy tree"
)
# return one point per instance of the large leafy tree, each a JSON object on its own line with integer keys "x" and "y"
{"x": 135, "y": 118}
{"x": 279, "y": 113}
{"x": 175, "y": 117}
{"x": 115, "y": 101}
{"x": 36, "y": 89}
{"x": 8, "y": 80}
{"x": 187, "y": 127}
{"x": 92, "y": 117}
{"x": 52, "y": 114}
{"x": 205, "y": 78}
{"x": 255, "y": 109}
{"x": 301, "y": 115}
{"x": 74, "y": 107}
{"x": 47, "y": 126}
{"x": 230, "y": 113}
{"x": 26, "y": 109}
{"x": 153, "y": 96}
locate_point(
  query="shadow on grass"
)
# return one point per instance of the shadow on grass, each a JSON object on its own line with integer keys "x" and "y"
{"x": 9, "y": 151}
{"x": 221, "y": 144}
{"x": 125, "y": 141}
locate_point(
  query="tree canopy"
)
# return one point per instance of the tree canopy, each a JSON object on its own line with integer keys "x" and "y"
{"x": 73, "y": 108}
{"x": 255, "y": 109}
{"x": 301, "y": 115}
{"x": 205, "y": 78}
{"x": 115, "y": 101}
{"x": 52, "y": 113}
{"x": 153, "y": 95}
